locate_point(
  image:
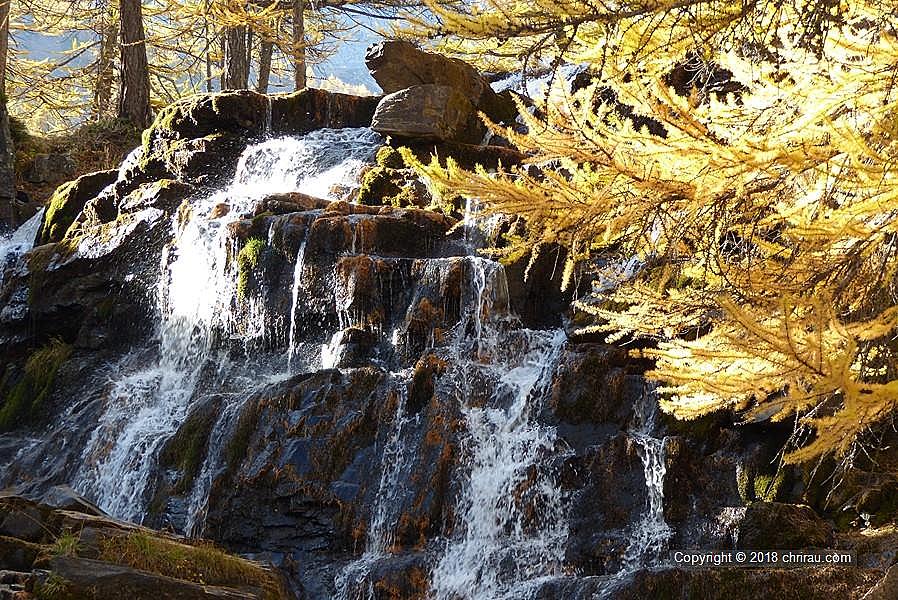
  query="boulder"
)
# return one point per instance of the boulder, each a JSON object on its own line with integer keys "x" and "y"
{"x": 780, "y": 526}
{"x": 429, "y": 111}
{"x": 50, "y": 167}
{"x": 73, "y": 578}
{"x": 397, "y": 65}
{"x": 68, "y": 201}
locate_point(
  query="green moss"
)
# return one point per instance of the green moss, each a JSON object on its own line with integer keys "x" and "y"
{"x": 202, "y": 563}
{"x": 248, "y": 260}
{"x": 187, "y": 448}
{"x": 67, "y": 544}
{"x": 378, "y": 186}
{"x": 53, "y": 588}
{"x": 60, "y": 213}
{"x": 756, "y": 486}
{"x": 24, "y": 401}
{"x": 389, "y": 157}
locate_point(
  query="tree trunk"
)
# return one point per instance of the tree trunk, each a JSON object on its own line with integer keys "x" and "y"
{"x": 105, "y": 69}
{"x": 266, "y": 49}
{"x": 299, "y": 44}
{"x": 134, "y": 95}
{"x": 7, "y": 152}
{"x": 236, "y": 67}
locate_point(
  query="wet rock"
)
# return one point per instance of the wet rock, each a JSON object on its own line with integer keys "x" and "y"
{"x": 429, "y": 111}
{"x": 46, "y": 168}
{"x": 608, "y": 493}
{"x": 309, "y": 109}
{"x": 775, "y": 525}
{"x": 814, "y": 583}
{"x": 397, "y": 65}
{"x": 592, "y": 385}
{"x": 68, "y": 201}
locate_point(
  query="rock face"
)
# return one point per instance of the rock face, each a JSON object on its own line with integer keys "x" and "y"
{"x": 348, "y": 391}
{"x": 57, "y": 552}
{"x": 431, "y": 96}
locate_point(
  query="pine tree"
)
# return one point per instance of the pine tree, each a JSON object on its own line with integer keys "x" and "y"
{"x": 756, "y": 219}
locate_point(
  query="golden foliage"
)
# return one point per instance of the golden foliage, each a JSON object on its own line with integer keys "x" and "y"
{"x": 762, "y": 223}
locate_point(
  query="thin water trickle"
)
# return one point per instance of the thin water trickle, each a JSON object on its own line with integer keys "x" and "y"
{"x": 299, "y": 267}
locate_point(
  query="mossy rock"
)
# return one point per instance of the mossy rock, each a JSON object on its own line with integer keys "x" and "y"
{"x": 248, "y": 262}
{"x": 186, "y": 450}
{"x": 24, "y": 401}
{"x": 68, "y": 201}
{"x": 389, "y": 157}
{"x": 379, "y": 185}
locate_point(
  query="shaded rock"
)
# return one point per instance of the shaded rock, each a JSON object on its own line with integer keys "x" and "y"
{"x": 397, "y": 65}
{"x": 46, "y": 168}
{"x": 608, "y": 492}
{"x": 779, "y": 526}
{"x": 68, "y": 201}
{"x": 429, "y": 111}
{"x": 65, "y": 498}
{"x": 592, "y": 385}
{"x": 814, "y": 583}
{"x": 87, "y": 579}
{"x": 16, "y": 554}
{"x": 886, "y": 588}
{"x": 311, "y": 108}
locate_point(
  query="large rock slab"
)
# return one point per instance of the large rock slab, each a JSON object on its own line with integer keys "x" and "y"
{"x": 68, "y": 201}
{"x": 397, "y": 65}
{"x": 780, "y": 526}
{"x": 430, "y": 111}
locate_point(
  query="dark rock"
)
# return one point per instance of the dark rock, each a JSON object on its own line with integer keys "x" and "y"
{"x": 429, "y": 111}
{"x": 46, "y": 168}
{"x": 86, "y": 579}
{"x": 25, "y": 522}
{"x": 397, "y": 65}
{"x": 608, "y": 492}
{"x": 68, "y": 201}
{"x": 592, "y": 385}
{"x": 310, "y": 108}
{"x": 779, "y": 526}
{"x": 805, "y": 583}
{"x": 16, "y": 554}
{"x": 65, "y": 498}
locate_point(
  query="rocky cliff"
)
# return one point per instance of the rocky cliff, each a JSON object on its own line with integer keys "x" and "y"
{"x": 264, "y": 331}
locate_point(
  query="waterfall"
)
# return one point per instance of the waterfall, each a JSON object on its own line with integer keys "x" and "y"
{"x": 498, "y": 552}
{"x": 650, "y": 534}
{"x": 298, "y": 269}
{"x": 196, "y": 299}
{"x": 15, "y": 244}
{"x": 353, "y": 579}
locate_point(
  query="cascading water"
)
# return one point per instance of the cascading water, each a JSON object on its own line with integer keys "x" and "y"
{"x": 19, "y": 241}
{"x": 196, "y": 295}
{"x": 650, "y": 534}
{"x": 502, "y": 549}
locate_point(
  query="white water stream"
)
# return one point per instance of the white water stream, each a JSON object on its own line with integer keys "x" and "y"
{"x": 196, "y": 299}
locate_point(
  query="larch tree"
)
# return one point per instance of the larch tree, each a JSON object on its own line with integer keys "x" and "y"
{"x": 7, "y": 152}
{"x": 753, "y": 223}
{"x": 134, "y": 91}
